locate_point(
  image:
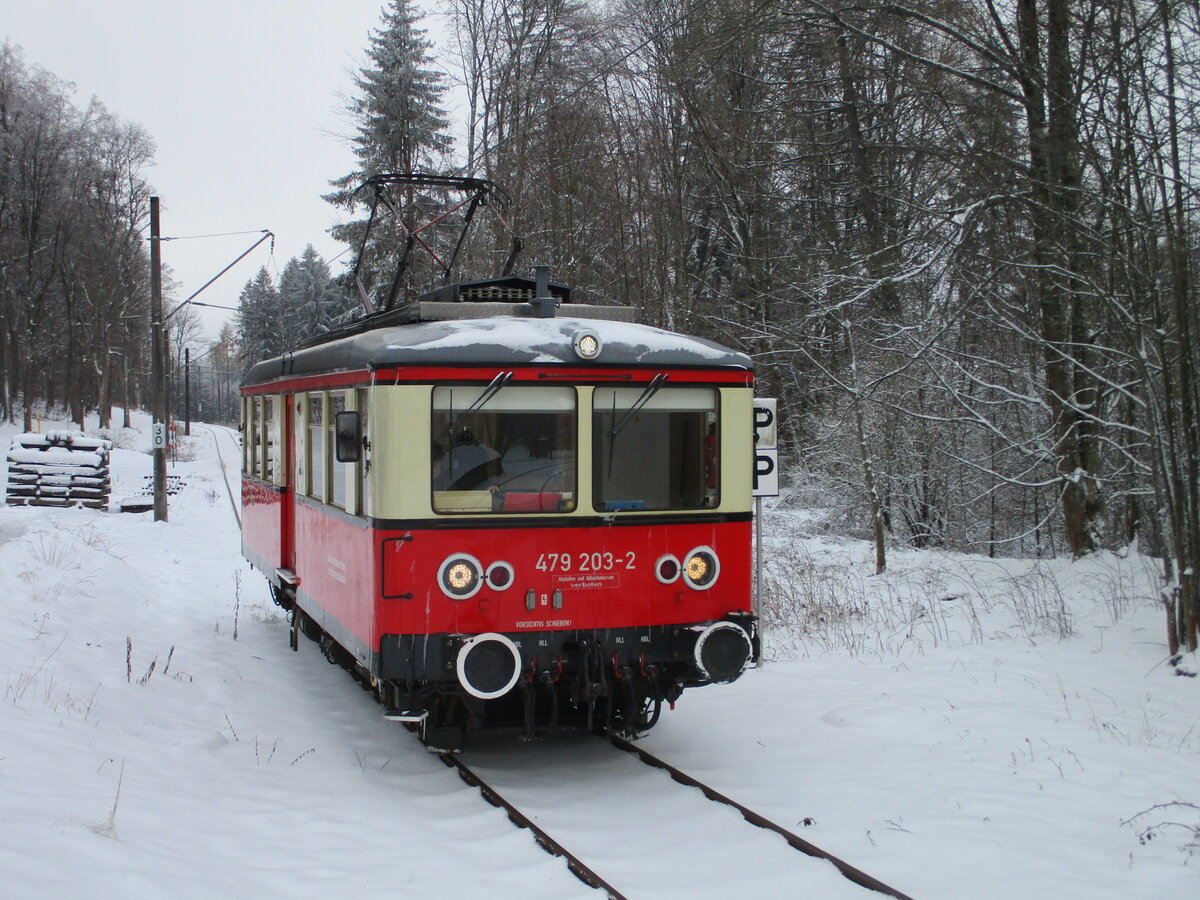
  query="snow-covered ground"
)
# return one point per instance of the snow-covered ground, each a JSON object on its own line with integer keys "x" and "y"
{"x": 960, "y": 727}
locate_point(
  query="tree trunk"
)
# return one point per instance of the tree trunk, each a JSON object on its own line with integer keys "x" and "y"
{"x": 1054, "y": 203}
{"x": 1185, "y": 472}
{"x": 878, "y": 525}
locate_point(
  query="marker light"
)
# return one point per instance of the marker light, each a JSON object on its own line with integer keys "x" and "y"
{"x": 666, "y": 569}
{"x": 499, "y": 575}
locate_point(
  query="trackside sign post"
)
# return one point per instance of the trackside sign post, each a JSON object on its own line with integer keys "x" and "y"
{"x": 766, "y": 454}
{"x": 766, "y": 475}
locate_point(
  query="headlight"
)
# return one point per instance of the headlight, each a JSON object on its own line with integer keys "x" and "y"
{"x": 587, "y": 344}
{"x": 460, "y": 576}
{"x": 701, "y": 568}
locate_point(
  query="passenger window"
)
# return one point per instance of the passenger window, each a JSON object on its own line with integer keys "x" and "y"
{"x": 268, "y": 430}
{"x": 337, "y": 404}
{"x": 317, "y": 486}
{"x": 247, "y": 431}
{"x": 256, "y": 463}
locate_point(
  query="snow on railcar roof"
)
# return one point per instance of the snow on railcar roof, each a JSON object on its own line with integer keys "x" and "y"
{"x": 502, "y": 340}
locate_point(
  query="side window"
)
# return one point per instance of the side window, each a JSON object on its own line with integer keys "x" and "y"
{"x": 337, "y": 496}
{"x": 300, "y": 436}
{"x": 364, "y": 464}
{"x": 269, "y": 443}
{"x": 278, "y": 440}
{"x": 317, "y": 486}
{"x": 247, "y": 426}
{"x": 255, "y": 435}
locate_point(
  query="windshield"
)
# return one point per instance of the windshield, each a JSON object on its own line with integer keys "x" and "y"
{"x": 510, "y": 450}
{"x": 654, "y": 450}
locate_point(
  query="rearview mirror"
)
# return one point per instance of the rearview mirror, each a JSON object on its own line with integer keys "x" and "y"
{"x": 348, "y": 437}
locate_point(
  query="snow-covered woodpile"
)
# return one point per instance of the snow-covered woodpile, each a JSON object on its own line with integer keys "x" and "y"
{"x": 59, "y": 468}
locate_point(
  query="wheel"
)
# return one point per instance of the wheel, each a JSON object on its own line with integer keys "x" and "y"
{"x": 308, "y": 627}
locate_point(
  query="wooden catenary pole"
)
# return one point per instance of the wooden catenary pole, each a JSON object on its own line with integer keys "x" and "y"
{"x": 158, "y": 387}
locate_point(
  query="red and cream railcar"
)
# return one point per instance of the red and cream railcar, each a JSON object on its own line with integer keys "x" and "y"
{"x": 495, "y": 514}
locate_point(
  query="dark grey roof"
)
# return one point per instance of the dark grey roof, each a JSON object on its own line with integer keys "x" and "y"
{"x": 499, "y": 340}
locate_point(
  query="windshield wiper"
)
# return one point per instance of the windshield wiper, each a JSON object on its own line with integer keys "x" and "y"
{"x": 651, "y": 389}
{"x": 489, "y": 392}
{"x": 494, "y": 387}
{"x": 617, "y": 427}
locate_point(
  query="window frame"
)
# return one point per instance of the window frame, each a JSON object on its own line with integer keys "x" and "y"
{"x": 336, "y": 470}
{"x": 316, "y": 444}
{"x": 710, "y": 494}
{"x": 474, "y": 505}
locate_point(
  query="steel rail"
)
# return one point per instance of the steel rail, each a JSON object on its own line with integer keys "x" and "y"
{"x": 221, "y": 459}
{"x": 794, "y": 840}
{"x": 578, "y": 867}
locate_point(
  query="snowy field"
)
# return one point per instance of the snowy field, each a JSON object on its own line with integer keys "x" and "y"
{"x": 959, "y": 728}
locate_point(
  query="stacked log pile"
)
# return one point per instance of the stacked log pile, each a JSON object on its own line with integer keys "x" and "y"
{"x": 59, "y": 468}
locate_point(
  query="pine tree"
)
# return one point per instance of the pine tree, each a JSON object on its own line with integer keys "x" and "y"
{"x": 401, "y": 127}
{"x": 261, "y": 333}
{"x": 308, "y": 295}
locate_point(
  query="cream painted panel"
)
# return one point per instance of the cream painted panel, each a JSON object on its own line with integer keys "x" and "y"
{"x": 400, "y": 464}
{"x": 300, "y": 423}
{"x": 737, "y": 448}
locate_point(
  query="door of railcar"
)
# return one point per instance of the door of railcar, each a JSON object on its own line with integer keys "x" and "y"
{"x": 287, "y": 524}
{"x": 266, "y": 504}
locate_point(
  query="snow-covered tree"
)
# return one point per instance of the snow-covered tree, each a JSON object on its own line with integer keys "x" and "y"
{"x": 400, "y": 127}
{"x": 308, "y": 294}
{"x": 262, "y": 329}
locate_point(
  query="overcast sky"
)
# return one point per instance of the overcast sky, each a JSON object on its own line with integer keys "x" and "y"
{"x": 243, "y": 99}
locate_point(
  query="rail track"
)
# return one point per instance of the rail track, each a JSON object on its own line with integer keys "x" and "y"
{"x": 794, "y": 841}
{"x": 701, "y": 844}
{"x": 530, "y": 763}
{"x": 215, "y": 431}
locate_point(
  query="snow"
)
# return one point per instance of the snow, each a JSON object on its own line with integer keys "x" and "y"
{"x": 541, "y": 340}
{"x": 959, "y": 727}
{"x": 56, "y": 459}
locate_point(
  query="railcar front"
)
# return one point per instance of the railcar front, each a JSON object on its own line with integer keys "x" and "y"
{"x": 510, "y": 520}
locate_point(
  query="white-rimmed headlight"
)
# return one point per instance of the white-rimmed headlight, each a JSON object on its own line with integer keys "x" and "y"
{"x": 701, "y": 568}
{"x": 587, "y": 344}
{"x": 460, "y": 576}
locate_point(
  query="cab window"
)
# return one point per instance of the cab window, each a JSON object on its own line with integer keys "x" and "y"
{"x": 654, "y": 448}
{"x": 506, "y": 451}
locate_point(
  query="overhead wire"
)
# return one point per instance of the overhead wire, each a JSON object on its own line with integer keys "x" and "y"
{"x": 192, "y": 237}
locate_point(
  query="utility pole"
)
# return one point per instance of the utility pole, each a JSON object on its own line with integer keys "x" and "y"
{"x": 158, "y": 373}
{"x": 187, "y": 391}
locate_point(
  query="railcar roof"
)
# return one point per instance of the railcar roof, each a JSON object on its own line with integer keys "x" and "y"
{"x": 500, "y": 340}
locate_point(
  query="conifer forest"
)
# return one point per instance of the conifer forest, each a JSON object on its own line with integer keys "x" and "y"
{"x": 958, "y": 237}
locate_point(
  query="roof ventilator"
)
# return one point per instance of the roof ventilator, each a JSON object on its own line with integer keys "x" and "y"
{"x": 543, "y": 304}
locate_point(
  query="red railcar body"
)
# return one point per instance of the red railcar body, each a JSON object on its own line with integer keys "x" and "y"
{"x": 594, "y": 563}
